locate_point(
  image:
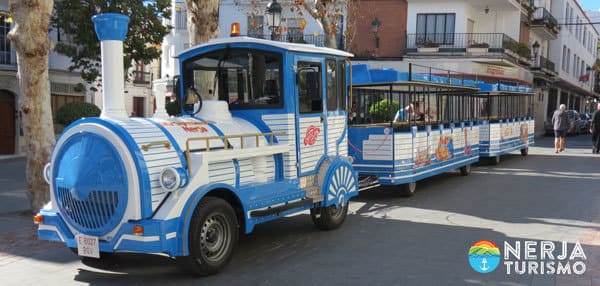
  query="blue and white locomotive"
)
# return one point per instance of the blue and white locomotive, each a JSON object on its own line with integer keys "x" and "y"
{"x": 263, "y": 135}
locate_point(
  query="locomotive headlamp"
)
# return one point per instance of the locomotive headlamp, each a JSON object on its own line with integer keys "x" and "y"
{"x": 47, "y": 175}
{"x": 173, "y": 178}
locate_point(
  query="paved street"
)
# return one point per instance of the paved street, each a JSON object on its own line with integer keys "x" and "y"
{"x": 387, "y": 240}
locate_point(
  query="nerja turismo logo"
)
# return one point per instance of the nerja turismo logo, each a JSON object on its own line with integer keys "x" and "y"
{"x": 529, "y": 257}
{"x": 484, "y": 256}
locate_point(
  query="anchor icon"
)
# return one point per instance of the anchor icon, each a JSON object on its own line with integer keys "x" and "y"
{"x": 484, "y": 263}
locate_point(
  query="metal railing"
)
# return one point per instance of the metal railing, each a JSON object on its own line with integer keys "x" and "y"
{"x": 226, "y": 142}
{"x": 544, "y": 63}
{"x": 142, "y": 77}
{"x": 317, "y": 40}
{"x": 542, "y": 16}
{"x": 459, "y": 42}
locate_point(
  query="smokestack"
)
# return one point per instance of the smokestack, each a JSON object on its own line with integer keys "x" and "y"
{"x": 111, "y": 30}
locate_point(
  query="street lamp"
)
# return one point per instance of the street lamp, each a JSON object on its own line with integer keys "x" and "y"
{"x": 536, "y": 49}
{"x": 273, "y": 17}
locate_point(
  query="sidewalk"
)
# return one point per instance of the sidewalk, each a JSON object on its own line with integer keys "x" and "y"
{"x": 18, "y": 234}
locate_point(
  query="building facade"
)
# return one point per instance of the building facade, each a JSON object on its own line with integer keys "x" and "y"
{"x": 574, "y": 52}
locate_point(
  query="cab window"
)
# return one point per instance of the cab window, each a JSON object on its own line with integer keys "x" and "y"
{"x": 244, "y": 78}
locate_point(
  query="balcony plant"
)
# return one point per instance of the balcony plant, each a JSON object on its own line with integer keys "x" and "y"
{"x": 478, "y": 48}
{"x": 427, "y": 46}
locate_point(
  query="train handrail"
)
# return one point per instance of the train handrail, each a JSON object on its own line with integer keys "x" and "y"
{"x": 226, "y": 143}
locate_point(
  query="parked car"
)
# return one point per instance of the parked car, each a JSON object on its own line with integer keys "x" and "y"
{"x": 585, "y": 122}
{"x": 574, "y": 122}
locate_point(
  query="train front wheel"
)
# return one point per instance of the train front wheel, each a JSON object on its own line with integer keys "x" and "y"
{"x": 212, "y": 238}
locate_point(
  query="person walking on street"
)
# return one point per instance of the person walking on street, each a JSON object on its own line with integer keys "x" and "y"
{"x": 560, "y": 121}
{"x": 595, "y": 130}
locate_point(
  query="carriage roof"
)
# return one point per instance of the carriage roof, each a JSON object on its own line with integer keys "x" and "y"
{"x": 254, "y": 42}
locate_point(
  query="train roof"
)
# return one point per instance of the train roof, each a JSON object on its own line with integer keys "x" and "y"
{"x": 295, "y": 47}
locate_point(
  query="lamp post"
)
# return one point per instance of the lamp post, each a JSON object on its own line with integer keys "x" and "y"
{"x": 273, "y": 17}
{"x": 536, "y": 48}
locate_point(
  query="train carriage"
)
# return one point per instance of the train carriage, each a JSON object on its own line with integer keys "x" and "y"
{"x": 437, "y": 132}
{"x": 262, "y": 135}
{"x": 505, "y": 114}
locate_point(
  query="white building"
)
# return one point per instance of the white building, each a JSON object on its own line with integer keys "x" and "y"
{"x": 544, "y": 29}
{"x": 173, "y": 43}
{"x": 574, "y": 52}
{"x": 294, "y": 26}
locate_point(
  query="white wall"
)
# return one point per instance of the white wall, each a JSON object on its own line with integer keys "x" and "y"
{"x": 497, "y": 20}
{"x": 570, "y": 40}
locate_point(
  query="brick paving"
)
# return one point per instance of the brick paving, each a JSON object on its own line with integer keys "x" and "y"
{"x": 22, "y": 243}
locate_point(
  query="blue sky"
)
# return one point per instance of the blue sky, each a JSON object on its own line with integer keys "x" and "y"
{"x": 590, "y": 4}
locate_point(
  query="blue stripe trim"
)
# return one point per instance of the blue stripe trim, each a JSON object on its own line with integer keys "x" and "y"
{"x": 172, "y": 140}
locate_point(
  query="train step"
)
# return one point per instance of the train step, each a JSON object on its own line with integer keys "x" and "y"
{"x": 280, "y": 208}
{"x": 265, "y": 195}
{"x": 368, "y": 182}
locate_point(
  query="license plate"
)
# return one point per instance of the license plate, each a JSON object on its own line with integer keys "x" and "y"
{"x": 87, "y": 246}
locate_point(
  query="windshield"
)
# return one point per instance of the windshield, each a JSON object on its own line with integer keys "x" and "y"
{"x": 245, "y": 78}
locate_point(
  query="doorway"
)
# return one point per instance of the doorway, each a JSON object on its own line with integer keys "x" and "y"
{"x": 138, "y": 106}
{"x": 7, "y": 128}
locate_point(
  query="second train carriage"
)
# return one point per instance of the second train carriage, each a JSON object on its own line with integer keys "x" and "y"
{"x": 505, "y": 117}
{"x": 437, "y": 131}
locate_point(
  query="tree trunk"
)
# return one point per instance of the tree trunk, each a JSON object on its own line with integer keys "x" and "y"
{"x": 32, "y": 43}
{"x": 202, "y": 20}
{"x": 203, "y": 25}
{"x": 320, "y": 12}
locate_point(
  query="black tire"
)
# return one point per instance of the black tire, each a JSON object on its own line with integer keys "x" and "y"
{"x": 213, "y": 235}
{"x": 524, "y": 151}
{"x": 465, "y": 170}
{"x": 495, "y": 160}
{"x": 328, "y": 218}
{"x": 408, "y": 190}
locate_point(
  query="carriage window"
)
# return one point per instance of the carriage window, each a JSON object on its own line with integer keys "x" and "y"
{"x": 309, "y": 87}
{"x": 342, "y": 88}
{"x": 332, "y": 90}
{"x": 244, "y": 78}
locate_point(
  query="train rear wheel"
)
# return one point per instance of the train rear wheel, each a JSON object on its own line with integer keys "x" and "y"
{"x": 465, "y": 170}
{"x": 328, "y": 218}
{"x": 409, "y": 189}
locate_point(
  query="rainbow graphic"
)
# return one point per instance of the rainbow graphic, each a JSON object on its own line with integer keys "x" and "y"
{"x": 484, "y": 256}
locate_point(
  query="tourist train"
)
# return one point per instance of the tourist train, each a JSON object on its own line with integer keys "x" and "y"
{"x": 267, "y": 129}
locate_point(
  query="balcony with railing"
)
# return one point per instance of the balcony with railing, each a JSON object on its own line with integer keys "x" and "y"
{"x": 317, "y": 40}
{"x": 468, "y": 44}
{"x": 545, "y": 24}
{"x": 142, "y": 77}
{"x": 545, "y": 65}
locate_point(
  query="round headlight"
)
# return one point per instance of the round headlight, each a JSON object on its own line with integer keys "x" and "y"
{"x": 172, "y": 178}
{"x": 47, "y": 174}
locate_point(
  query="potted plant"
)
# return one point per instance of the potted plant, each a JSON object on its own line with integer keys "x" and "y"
{"x": 478, "y": 48}
{"x": 427, "y": 46}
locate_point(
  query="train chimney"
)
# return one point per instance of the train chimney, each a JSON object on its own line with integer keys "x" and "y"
{"x": 111, "y": 30}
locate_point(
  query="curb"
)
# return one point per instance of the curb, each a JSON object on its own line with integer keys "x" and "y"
{"x": 11, "y": 158}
